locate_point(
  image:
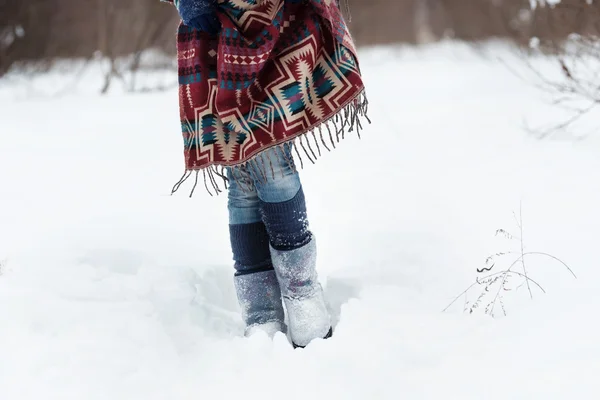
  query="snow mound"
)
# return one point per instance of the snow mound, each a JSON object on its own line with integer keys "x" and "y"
{"x": 112, "y": 289}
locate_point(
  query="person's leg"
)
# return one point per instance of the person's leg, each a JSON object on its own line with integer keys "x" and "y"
{"x": 255, "y": 279}
{"x": 293, "y": 248}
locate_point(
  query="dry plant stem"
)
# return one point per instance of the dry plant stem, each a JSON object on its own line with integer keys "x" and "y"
{"x": 488, "y": 281}
{"x": 494, "y": 275}
{"x": 520, "y": 224}
{"x": 538, "y": 253}
{"x": 501, "y": 287}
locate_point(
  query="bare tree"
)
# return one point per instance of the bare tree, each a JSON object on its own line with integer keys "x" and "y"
{"x": 41, "y": 31}
{"x": 423, "y": 22}
{"x": 19, "y": 22}
{"x": 569, "y": 34}
{"x": 121, "y": 32}
{"x": 145, "y": 27}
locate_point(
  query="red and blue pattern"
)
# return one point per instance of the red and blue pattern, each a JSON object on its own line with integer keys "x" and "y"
{"x": 278, "y": 70}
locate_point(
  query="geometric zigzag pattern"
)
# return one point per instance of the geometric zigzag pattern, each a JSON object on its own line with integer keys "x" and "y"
{"x": 277, "y": 69}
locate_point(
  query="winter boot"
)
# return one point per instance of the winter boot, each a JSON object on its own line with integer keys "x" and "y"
{"x": 308, "y": 316}
{"x": 255, "y": 280}
{"x": 260, "y": 300}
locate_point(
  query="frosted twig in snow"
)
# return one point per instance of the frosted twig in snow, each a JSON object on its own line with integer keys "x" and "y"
{"x": 520, "y": 225}
{"x": 497, "y": 282}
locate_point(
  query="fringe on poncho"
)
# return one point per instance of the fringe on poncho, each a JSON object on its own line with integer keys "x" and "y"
{"x": 279, "y": 71}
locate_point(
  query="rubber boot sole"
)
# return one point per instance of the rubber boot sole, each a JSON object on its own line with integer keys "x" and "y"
{"x": 329, "y": 335}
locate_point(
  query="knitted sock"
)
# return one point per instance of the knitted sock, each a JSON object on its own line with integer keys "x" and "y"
{"x": 287, "y": 223}
{"x": 250, "y": 246}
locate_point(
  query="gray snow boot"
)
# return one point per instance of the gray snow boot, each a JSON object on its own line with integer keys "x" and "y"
{"x": 260, "y": 300}
{"x": 308, "y": 316}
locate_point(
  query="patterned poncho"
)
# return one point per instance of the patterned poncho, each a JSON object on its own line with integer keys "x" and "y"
{"x": 279, "y": 71}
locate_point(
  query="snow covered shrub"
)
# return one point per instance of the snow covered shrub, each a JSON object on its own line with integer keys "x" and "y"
{"x": 568, "y": 32}
{"x": 504, "y": 272}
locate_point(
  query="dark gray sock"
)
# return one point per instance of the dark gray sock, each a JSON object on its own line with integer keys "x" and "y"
{"x": 287, "y": 223}
{"x": 250, "y": 246}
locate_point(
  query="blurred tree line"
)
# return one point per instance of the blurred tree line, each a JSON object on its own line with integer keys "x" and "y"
{"x": 45, "y": 30}
{"x": 419, "y": 21}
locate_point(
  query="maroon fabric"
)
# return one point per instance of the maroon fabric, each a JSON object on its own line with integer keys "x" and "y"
{"x": 276, "y": 71}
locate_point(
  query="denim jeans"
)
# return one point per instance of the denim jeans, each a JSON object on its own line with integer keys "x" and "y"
{"x": 266, "y": 207}
{"x": 247, "y": 187}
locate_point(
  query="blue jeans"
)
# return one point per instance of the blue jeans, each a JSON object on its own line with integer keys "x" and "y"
{"x": 266, "y": 208}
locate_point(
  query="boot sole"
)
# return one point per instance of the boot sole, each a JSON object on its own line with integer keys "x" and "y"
{"x": 329, "y": 335}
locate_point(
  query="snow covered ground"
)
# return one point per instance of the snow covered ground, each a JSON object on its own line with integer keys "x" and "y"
{"x": 112, "y": 289}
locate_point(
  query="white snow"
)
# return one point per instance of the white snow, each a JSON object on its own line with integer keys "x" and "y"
{"x": 112, "y": 289}
{"x": 542, "y": 3}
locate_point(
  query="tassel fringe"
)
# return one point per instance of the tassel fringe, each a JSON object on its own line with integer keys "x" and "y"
{"x": 346, "y": 120}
